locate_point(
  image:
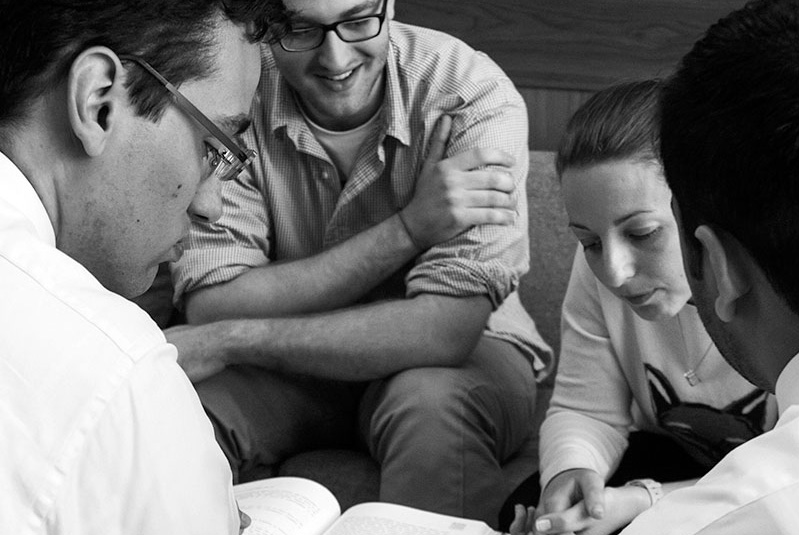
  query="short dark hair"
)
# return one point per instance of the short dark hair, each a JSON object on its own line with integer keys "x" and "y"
{"x": 279, "y": 20}
{"x": 618, "y": 122}
{"x": 730, "y": 138}
{"x": 39, "y": 40}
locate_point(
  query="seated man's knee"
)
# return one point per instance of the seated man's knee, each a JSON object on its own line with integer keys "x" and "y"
{"x": 433, "y": 406}
{"x": 426, "y": 393}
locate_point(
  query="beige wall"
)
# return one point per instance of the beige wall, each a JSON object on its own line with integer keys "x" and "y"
{"x": 559, "y": 51}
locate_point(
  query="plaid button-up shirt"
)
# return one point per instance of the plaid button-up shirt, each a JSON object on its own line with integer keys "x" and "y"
{"x": 294, "y": 205}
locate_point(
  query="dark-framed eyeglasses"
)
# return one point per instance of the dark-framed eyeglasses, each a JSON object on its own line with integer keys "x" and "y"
{"x": 349, "y": 30}
{"x": 226, "y": 159}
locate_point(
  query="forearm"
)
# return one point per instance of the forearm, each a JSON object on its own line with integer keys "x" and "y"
{"x": 589, "y": 415}
{"x": 332, "y": 279}
{"x": 363, "y": 343}
{"x": 572, "y": 440}
{"x": 628, "y": 501}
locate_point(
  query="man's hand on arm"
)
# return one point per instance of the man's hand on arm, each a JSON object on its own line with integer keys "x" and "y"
{"x": 454, "y": 194}
{"x": 450, "y": 196}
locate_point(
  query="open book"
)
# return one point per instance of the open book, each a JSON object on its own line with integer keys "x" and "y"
{"x": 297, "y": 506}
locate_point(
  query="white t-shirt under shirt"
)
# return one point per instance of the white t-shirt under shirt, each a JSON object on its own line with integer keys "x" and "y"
{"x": 342, "y": 146}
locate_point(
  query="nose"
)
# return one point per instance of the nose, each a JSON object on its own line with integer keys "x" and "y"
{"x": 618, "y": 264}
{"x": 333, "y": 52}
{"x": 206, "y": 205}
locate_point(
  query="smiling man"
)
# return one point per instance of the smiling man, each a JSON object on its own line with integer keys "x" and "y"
{"x": 363, "y": 279}
{"x": 104, "y": 162}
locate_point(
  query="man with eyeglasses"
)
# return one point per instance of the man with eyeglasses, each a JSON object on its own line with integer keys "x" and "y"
{"x": 338, "y": 307}
{"x": 103, "y": 163}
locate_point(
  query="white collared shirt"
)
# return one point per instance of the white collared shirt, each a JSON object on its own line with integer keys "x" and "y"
{"x": 753, "y": 490}
{"x": 100, "y": 430}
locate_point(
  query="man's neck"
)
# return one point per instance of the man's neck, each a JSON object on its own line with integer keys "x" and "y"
{"x": 39, "y": 148}
{"x": 769, "y": 334}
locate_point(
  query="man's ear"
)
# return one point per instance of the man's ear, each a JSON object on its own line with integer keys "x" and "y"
{"x": 390, "y": 9}
{"x": 723, "y": 269}
{"x": 95, "y": 95}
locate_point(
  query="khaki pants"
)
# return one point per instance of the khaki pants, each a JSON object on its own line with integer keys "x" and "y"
{"x": 440, "y": 435}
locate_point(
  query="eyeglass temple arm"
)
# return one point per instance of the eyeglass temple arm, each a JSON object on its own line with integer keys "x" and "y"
{"x": 231, "y": 145}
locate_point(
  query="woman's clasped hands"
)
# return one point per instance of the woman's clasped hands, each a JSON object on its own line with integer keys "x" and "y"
{"x": 577, "y": 501}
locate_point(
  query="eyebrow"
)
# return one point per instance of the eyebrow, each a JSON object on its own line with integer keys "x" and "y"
{"x": 362, "y": 7}
{"x": 236, "y": 124}
{"x": 616, "y": 222}
{"x": 631, "y": 215}
{"x": 351, "y": 12}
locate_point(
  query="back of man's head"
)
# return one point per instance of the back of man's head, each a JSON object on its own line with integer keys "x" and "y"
{"x": 730, "y": 139}
{"x": 39, "y": 39}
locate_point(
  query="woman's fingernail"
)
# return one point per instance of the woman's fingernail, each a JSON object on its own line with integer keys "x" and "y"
{"x": 543, "y": 524}
{"x": 597, "y": 511}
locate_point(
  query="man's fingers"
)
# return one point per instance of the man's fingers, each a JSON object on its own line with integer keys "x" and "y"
{"x": 488, "y": 199}
{"x": 487, "y": 179}
{"x": 481, "y": 157}
{"x": 438, "y": 141}
{"x": 486, "y": 216}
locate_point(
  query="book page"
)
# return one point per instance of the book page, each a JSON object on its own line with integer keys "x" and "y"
{"x": 286, "y": 506}
{"x": 391, "y": 519}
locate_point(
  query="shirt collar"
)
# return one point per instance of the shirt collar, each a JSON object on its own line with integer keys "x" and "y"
{"x": 281, "y": 107}
{"x": 787, "y": 388}
{"x": 397, "y": 113}
{"x": 284, "y": 113}
{"x": 18, "y": 192}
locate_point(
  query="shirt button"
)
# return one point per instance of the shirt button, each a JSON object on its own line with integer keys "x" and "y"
{"x": 325, "y": 175}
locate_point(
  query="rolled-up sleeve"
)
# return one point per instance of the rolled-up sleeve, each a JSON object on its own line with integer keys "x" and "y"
{"x": 238, "y": 241}
{"x": 486, "y": 259}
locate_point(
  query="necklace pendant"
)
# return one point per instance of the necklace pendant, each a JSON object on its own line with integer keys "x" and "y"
{"x": 691, "y": 377}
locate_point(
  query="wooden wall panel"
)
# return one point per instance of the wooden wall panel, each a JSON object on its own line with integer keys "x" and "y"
{"x": 549, "y": 111}
{"x": 573, "y": 44}
{"x": 558, "y": 52}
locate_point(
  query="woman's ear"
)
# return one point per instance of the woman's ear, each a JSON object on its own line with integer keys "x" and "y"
{"x": 95, "y": 94}
{"x": 723, "y": 270}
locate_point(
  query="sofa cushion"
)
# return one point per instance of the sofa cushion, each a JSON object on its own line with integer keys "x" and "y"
{"x": 552, "y": 247}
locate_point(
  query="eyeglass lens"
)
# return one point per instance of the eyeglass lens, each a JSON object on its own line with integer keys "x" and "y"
{"x": 221, "y": 163}
{"x": 349, "y": 31}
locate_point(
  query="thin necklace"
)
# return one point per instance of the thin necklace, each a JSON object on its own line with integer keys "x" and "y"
{"x": 690, "y": 375}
